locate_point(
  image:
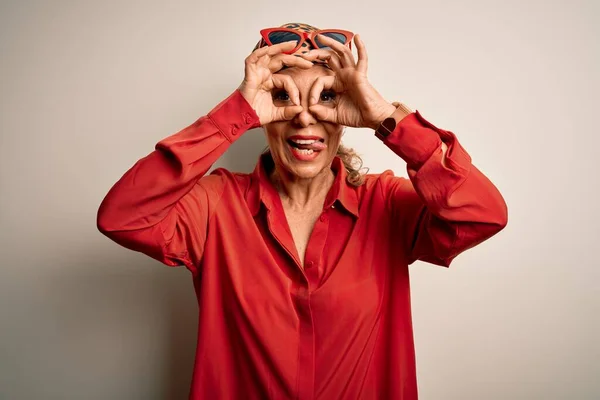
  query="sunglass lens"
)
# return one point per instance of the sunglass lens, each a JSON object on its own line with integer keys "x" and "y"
{"x": 283, "y": 36}
{"x": 340, "y": 37}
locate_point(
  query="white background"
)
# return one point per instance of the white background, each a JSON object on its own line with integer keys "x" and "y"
{"x": 87, "y": 88}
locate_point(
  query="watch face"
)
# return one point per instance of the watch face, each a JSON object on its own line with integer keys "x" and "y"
{"x": 389, "y": 124}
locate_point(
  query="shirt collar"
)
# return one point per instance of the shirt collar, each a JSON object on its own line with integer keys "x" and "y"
{"x": 262, "y": 190}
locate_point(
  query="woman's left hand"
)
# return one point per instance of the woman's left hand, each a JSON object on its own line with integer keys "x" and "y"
{"x": 357, "y": 103}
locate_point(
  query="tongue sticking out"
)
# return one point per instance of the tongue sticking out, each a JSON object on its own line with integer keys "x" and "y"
{"x": 316, "y": 146}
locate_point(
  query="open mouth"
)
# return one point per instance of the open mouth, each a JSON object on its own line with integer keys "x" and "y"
{"x": 307, "y": 146}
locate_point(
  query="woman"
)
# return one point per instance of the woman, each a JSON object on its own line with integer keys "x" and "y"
{"x": 301, "y": 267}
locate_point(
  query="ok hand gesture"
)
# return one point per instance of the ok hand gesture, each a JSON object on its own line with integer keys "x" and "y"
{"x": 358, "y": 103}
{"x": 260, "y": 79}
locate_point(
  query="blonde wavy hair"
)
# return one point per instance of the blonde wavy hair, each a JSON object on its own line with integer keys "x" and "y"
{"x": 353, "y": 164}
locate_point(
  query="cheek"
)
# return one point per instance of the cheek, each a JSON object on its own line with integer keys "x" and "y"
{"x": 273, "y": 134}
{"x": 335, "y": 135}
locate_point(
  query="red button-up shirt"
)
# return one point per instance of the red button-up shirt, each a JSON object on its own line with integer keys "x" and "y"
{"x": 339, "y": 328}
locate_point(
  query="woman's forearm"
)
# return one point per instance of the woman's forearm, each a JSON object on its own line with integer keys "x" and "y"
{"x": 161, "y": 206}
{"x": 149, "y": 189}
{"x": 448, "y": 205}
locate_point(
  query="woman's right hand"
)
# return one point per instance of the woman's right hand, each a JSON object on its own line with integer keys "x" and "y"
{"x": 260, "y": 80}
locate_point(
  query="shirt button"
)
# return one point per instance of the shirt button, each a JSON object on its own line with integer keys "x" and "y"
{"x": 323, "y": 218}
{"x": 247, "y": 118}
{"x": 233, "y": 130}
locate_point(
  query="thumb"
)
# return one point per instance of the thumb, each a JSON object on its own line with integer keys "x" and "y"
{"x": 324, "y": 113}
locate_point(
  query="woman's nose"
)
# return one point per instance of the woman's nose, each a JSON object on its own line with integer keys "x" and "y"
{"x": 305, "y": 117}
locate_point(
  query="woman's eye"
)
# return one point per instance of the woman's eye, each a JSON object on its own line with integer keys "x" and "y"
{"x": 281, "y": 95}
{"x": 327, "y": 96}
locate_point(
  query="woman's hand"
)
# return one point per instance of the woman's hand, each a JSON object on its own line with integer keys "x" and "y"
{"x": 358, "y": 104}
{"x": 260, "y": 80}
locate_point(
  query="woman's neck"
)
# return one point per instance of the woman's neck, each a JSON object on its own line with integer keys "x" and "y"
{"x": 302, "y": 193}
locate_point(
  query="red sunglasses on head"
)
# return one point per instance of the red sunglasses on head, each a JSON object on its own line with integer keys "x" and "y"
{"x": 275, "y": 36}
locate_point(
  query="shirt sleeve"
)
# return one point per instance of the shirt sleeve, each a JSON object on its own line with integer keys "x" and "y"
{"x": 441, "y": 210}
{"x": 162, "y": 205}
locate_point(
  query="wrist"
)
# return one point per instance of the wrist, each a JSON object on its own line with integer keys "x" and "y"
{"x": 389, "y": 109}
{"x": 388, "y": 125}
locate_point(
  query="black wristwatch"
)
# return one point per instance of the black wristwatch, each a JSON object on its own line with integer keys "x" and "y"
{"x": 389, "y": 124}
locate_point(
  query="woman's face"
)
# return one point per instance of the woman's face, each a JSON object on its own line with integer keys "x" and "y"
{"x": 303, "y": 146}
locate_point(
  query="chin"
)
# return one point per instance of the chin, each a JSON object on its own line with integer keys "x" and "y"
{"x": 306, "y": 168}
{"x": 306, "y": 171}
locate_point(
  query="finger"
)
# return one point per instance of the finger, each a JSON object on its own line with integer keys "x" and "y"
{"x": 363, "y": 59}
{"x": 317, "y": 88}
{"x": 329, "y": 56}
{"x": 278, "y": 61}
{"x": 324, "y": 113}
{"x": 317, "y": 54}
{"x": 286, "y": 113}
{"x": 342, "y": 51}
{"x": 328, "y": 82}
{"x": 286, "y": 82}
{"x": 271, "y": 50}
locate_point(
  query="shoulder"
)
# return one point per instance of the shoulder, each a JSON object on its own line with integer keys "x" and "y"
{"x": 218, "y": 186}
{"x": 384, "y": 181}
{"x": 233, "y": 185}
{"x": 387, "y": 189}
{"x": 225, "y": 179}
